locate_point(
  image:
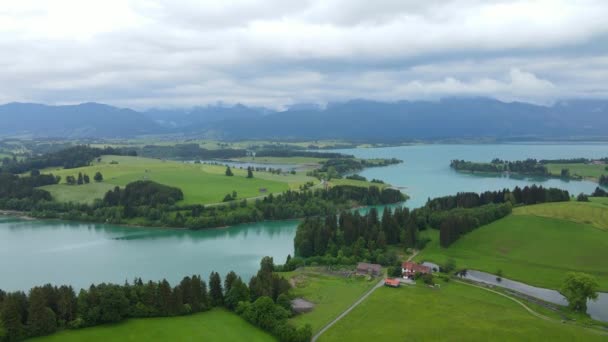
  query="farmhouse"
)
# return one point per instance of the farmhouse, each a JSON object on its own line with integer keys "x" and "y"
{"x": 409, "y": 269}
{"x": 392, "y": 282}
{"x": 364, "y": 268}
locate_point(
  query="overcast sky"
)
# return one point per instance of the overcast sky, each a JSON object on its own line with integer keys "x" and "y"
{"x": 163, "y": 53}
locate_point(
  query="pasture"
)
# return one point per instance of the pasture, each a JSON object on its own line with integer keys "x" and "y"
{"x": 535, "y": 250}
{"x": 454, "y": 312}
{"x": 201, "y": 183}
{"x": 580, "y": 169}
{"x": 214, "y": 325}
{"x": 594, "y": 213}
{"x": 331, "y": 294}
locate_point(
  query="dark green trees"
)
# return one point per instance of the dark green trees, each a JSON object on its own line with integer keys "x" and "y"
{"x": 228, "y": 172}
{"x": 14, "y": 315}
{"x": 216, "y": 293}
{"x": 41, "y": 319}
{"x": 98, "y": 177}
{"x": 238, "y": 292}
{"x": 249, "y": 172}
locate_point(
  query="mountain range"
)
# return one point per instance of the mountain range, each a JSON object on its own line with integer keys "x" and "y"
{"x": 359, "y": 120}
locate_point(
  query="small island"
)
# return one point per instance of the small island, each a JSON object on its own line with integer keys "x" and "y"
{"x": 573, "y": 169}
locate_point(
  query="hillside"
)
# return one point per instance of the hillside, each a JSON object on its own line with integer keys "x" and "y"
{"x": 528, "y": 248}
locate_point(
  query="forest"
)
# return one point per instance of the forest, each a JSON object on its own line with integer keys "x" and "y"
{"x": 352, "y": 237}
{"x": 263, "y": 301}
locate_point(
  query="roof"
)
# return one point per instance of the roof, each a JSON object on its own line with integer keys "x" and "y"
{"x": 414, "y": 267}
{"x": 391, "y": 282}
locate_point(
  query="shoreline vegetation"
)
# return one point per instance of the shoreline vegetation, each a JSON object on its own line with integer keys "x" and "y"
{"x": 595, "y": 170}
{"x": 262, "y": 301}
{"x": 162, "y": 203}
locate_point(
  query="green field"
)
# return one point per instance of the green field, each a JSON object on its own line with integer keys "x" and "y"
{"x": 455, "y": 312}
{"x": 535, "y": 250}
{"x": 353, "y": 182}
{"x": 283, "y": 160}
{"x": 594, "y": 213}
{"x": 331, "y": 294}
{"x": 214, "y": 325}
{"x": 583, "y": 170}
{"x": 200, "y": 183}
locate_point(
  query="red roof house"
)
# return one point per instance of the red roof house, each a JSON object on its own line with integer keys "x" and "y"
{"x": 392, "y": 282}
{"x": 409, "y": 269}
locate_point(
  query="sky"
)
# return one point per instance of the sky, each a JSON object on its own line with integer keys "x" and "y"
{"x": 274, "y": 53}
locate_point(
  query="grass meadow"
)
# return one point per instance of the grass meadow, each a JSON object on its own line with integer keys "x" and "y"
{"x": 535, "y": 250}
{"x": 594, "y": 213}
{"x": 583, "y": 170}
{"x": 454, "y": 312}
{"x": 200, "y": 183}
{"x": 331, "y": 294}
{"x": 214, "y": 325}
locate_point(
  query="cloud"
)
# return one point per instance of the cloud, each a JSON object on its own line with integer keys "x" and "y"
{"x": 182, "y": 53}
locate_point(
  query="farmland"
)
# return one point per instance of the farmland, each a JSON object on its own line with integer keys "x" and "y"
{"x": 590, "y": 171}
{"x": 454, "y": 312}
{"x": 331, "y": 294}
{"x": 200, "y": 183}
{"x": 594, "y": 213}
{"x": 535, "y": 250}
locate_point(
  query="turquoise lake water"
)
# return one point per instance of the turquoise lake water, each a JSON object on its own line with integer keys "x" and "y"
{"x": 38, "y": 252}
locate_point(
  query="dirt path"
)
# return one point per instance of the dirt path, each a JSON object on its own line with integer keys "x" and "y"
{"x": 354, "y": 305}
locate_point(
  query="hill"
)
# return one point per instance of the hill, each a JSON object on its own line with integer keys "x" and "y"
{"x": 535, "y": 250}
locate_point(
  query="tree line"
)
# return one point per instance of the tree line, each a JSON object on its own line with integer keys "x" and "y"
{"x": 459, "y": 221}
{"x": 69, "y": 158}
{"x": 352, "y": 237}
{"x": 518, "y": 196}
{"x": 156, "y": 204}
{"x": 24, "y": 188}
{"x": 458, "y": 214}
{"x": 194, "y": 151}
{"x": 264, "y": 302}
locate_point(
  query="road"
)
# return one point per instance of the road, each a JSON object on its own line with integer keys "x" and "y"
{"x": 354, "y": 305}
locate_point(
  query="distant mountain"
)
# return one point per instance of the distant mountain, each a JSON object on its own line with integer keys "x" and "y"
{"x": 448, "y": 118}
{"x": 360, "y": 120}
{"x": 83, "y": 120}
{"x": 198, "y": 117}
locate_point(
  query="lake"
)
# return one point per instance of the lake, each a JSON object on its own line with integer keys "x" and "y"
{"x": 38, "y": 252}
{"x": 425, "y": 171}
